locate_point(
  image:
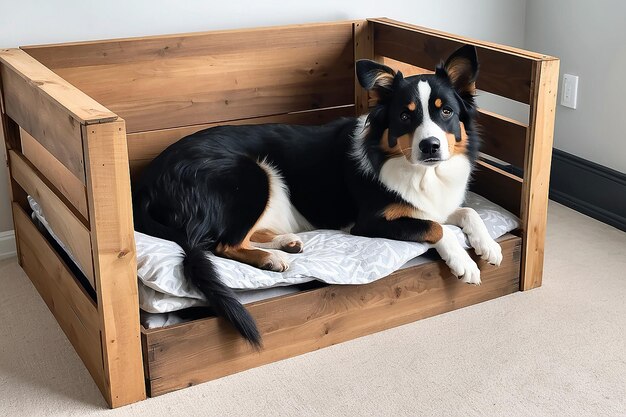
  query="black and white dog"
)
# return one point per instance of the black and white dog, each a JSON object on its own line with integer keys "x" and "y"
{"x": 399, "y": 172}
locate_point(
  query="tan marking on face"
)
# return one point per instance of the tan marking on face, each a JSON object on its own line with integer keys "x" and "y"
{"x": 457, "y": 148}
{"x": 412, "y": 106}
{"x": 434, "y": 233}
{"x": 438, "y": 103}
{"x": 397, "y": 210}
{"x": 403, "y": 145}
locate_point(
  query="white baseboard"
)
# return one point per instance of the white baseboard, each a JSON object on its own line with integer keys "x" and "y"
{"x": 7, "y": 244}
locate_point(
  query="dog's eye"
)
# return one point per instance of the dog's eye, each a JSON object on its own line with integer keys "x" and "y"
{"x": 446, "y": 112}
{"x": 405, "y": 116}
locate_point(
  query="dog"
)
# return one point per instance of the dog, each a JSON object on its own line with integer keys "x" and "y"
{"x": 399, "y": 172}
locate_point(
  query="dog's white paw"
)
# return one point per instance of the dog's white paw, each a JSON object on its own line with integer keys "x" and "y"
{"x": 464, "y": 268}
{"x": 275, "y": 262}
{"x": 487, "y": 248}
{"x": 289, "y": 243}
{"x": 457, "y": 259}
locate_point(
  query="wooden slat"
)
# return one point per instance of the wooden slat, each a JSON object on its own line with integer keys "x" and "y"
{"x": 67, "y": 183}
{"x": 502, "y": 137}
{"x": 54, "y": 89}
{"x": 65, "y": 224}
{"x": 143, "y": 147}
{"x": 72, "y": 307}
{"x": 489, "y": 45}
{"x": 149, "y": 48}
{"x": 500, "y": 73}
{"x": 9, "y": 131}
{"x": 222, "y": 76}
{"x": 537, "y": 171}
{"x": 191, "y": 353}
{"x": 43, "y": 119}
{"x": 499, "y": 187}
{"x": 363, "y": 49}
{"x": 115, "y": 264}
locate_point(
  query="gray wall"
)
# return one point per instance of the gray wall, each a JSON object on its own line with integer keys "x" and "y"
{"x": 34, "y": 22}
{"x": 590, "y": 39}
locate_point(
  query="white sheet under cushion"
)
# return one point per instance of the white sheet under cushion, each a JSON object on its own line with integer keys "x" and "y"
{"x": 330, "y": 256}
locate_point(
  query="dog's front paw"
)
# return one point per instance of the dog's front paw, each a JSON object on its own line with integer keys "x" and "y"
{"x": 464, "y": 268}
{"x": 487, "y": 248}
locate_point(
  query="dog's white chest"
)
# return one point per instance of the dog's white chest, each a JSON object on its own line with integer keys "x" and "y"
{"x": 435, "y": 191}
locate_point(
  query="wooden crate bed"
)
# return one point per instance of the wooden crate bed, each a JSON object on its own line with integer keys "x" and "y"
{"x": 80, "y": 119}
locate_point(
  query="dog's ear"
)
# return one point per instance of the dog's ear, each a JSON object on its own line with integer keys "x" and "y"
{"x": 376, "y": 78}
{"x": 461, "y": 68}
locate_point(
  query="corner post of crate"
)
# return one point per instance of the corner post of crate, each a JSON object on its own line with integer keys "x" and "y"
{"x": 10, "y": 133}
{"x": 363, "y": 37}
{"x": 544, "y": 85}
{"x": 114, "y": 258}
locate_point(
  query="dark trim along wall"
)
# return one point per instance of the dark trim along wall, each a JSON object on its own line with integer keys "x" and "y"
{"x": 589, "y": 188}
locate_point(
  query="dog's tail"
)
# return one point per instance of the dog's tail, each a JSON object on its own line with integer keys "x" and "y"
{"x": 200, "y": 271}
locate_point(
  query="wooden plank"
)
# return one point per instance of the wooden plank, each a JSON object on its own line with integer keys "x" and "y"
{"x": 143, "y": 147}
{"x": 115, "y": 264}
{"x": 55, "y": 89}
{"x": 406, "y": 69}
{"x": 500, "y": 73}
{"x": 64, "y": 181}
{"x": 490, "y": 45}
{"x": 363, "y": 49}
{"x": 191, "y": 353}
{"x": 9, "y": 130}
{"x": 72, "y": 307}
{"x": 224, "y": 76}
{"x": 62, "y": 220}
{"x": 537, "y": 171}
{"x": 149, "y": 48}
{"x": 499, "y": 187}
{"x": 51, "y": 125}
{"x": 502, "y": 137}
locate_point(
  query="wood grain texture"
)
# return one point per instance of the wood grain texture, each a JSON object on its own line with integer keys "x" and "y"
{"x": 115, "y": 264}
{"x": 54, "y": 171}
{"x": 54, "y": 89}
{"x": 537, "y": 171}
{"x": 9, "y": 130}
{"x": 501, "y": 73}
{"x": 363, "y": 49}
{"x": 149, "y": 48}
{"x": 510, "y": 50}
{"x": 191, "y": 353}
{"x": 62, "y": 220}
{"x": 72, "y": 307}
{"x": 221, "y": 76}
{"x": 502, "y": 137}
{"x": 143, "y": 147}
{"x": 43, "y": 119}
{"x": 497, "y": 186}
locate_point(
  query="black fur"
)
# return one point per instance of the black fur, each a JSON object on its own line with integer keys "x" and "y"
{"x": 208, "y": 188}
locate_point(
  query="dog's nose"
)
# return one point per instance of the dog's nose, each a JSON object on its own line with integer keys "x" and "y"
{"x": 429, "y": 146}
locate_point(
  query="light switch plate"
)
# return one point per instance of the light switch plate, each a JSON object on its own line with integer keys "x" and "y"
{"x": 569, "y": 93}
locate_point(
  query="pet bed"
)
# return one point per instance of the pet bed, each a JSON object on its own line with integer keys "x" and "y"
{"x": 80, "y": 120}
{"x": 330, "y": 256}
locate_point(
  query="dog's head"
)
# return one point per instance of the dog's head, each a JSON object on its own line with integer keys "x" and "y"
{"x": 425, "y": 118}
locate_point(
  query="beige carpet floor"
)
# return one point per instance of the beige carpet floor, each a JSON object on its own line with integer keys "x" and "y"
{"x": 559, "y": 350}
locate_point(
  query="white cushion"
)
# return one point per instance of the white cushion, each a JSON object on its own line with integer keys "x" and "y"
{"x": 331, "y": 256}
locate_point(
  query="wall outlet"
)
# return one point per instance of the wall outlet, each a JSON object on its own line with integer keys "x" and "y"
{"x": 569, "y": 93}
